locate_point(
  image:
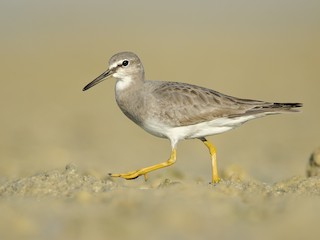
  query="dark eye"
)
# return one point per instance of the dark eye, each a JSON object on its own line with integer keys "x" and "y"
{"x": 125, "y": 63}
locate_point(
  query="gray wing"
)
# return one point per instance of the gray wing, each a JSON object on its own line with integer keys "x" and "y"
{"x": 183, "y": 104}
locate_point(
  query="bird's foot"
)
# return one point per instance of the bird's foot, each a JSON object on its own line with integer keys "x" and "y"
{"x": 144, "y": 171}
{"x": 130, "y": 175}
{"x": 215, "y": 179}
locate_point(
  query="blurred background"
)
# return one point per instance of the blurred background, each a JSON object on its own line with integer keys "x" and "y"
{"x": 267, "y": 50}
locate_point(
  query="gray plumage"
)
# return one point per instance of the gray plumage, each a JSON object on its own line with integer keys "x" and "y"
{"x": 178, "y": 110}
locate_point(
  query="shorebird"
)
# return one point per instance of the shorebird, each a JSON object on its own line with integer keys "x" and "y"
{"x": 178, "y": 111}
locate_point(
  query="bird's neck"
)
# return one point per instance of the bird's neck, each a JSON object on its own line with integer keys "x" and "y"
{"x": 128, "y": 97}
{"x": 129, "y": 83}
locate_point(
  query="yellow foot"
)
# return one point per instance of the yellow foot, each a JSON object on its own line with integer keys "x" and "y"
{"x": 144, "y": 171}
{"x": 215, "y": 180}
{"x": 129, "y": 175}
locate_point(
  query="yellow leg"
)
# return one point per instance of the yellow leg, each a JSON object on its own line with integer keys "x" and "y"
{"x": 212, "y": 150}
{"x": 144, "y": 171}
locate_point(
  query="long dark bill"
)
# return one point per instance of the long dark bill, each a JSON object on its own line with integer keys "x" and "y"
{"x": 99, "y": 79}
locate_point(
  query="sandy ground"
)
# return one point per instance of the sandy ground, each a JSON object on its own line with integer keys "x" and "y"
{"x": 68, "y": 204}
{"x": 267, "y": 50}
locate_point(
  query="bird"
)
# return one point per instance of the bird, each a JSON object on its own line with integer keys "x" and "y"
{"x": 178, "y": 111}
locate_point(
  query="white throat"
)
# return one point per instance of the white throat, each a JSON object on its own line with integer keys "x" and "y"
{"x": 123, "y": 83}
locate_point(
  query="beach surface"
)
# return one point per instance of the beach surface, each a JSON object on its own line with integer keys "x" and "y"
{"x": 69, "y": 204}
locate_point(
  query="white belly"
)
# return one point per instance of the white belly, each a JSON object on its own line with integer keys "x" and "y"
{"x": 195, "y": 131}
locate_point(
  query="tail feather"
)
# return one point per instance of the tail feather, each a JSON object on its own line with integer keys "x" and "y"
{"x": 275, "y": 108}
{"x": 291, "y": 107}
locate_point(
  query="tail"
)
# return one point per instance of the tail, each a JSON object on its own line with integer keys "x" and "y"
{"x": 275, "y": 108}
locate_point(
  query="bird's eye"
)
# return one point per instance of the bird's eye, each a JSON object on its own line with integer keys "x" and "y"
{"x": 125, "y": 63}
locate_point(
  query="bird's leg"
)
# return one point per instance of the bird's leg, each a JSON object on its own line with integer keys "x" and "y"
{"x": 212, "y": 150}
{"x": 144, "y": 171}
